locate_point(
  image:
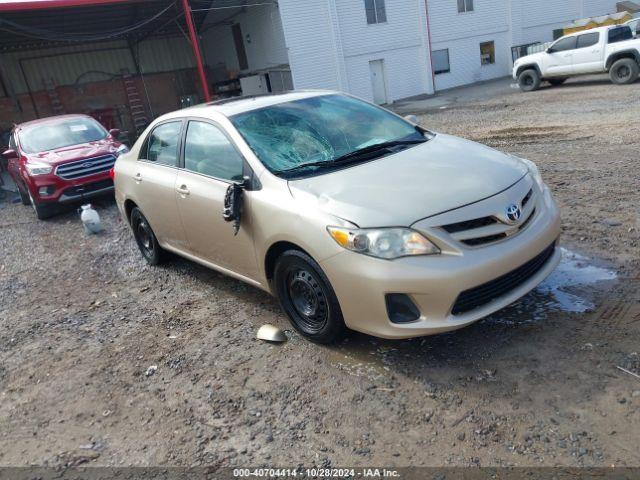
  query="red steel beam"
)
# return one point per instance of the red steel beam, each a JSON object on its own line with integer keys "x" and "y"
{"x": 49, "y": 4}
{"x": 196, "y": 50}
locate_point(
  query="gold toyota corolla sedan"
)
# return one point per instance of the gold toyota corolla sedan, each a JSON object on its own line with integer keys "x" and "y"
{"x": 353, "y": 217}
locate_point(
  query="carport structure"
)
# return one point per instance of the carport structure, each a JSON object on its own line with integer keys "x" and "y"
{"x": 128, "y": 61}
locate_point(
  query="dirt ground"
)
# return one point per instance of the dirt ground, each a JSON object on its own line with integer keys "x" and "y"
{"x": 82, "y": 319}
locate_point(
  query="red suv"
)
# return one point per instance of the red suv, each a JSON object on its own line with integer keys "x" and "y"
{"x": 60, "y": 160}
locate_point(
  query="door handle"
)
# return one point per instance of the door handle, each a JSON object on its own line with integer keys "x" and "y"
{"x": 137, "y": 178}
{"x": 183, "y": 190}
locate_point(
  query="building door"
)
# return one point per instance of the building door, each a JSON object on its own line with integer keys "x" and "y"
{"x": 378, "y": 83}
{"x": 238, "y": 41}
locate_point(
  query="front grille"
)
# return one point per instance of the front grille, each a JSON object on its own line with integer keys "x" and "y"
{"x": 88, "y": 188}
{"x": 470, "y": 224}
{"x": 86, "y": 167}
{"x": 487, "y": 292}
{"x": 468, "y": 232}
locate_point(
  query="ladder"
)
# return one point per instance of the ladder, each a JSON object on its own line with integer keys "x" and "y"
{"x": 136, "y": 107}
{"x": 56, "y": 104}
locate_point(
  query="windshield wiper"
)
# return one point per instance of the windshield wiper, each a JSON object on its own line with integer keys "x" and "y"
{"x": 355, "y": 155}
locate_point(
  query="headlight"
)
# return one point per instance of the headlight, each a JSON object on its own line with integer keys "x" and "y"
{"x": 38, "y": 168}
{"x": 122, "y": 149}
{"x": 533, "y": 170}
{"x": 387, "y": 243}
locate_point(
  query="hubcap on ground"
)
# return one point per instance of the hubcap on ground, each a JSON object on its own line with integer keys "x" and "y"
{"x": 307, "y": 299}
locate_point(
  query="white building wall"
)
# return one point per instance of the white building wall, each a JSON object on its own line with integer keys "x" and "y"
{"x": 263, "y": 40}
{"x": 330, "y": 46}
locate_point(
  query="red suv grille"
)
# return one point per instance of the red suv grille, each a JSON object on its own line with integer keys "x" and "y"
{"x": 86, "y": 167}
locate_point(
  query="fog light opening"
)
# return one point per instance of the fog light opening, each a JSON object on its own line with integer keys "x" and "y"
{"x": 401, "y": 308}
{"x": 46, "y": 191}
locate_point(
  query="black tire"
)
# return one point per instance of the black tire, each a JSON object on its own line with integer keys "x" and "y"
{"x": 147, "y": 242}
{"x": 557, "y": 81}
{"x": 624, "y": 71}
{"x": 24, "y": 196}
{"x": 308, "y": 299}
{"x": 529, "y": 80}
{"x": 43, "y": 210}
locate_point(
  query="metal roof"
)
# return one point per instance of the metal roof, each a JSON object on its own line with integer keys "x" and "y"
{"x": 39, "y": 23}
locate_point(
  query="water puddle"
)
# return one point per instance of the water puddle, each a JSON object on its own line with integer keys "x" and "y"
{"x": 571, "y": 288}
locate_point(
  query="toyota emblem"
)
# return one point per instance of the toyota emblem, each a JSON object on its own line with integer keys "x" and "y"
{"x": 513, "y": 213}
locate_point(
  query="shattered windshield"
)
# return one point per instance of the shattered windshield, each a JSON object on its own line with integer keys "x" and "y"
{"x": 318, "y": 129}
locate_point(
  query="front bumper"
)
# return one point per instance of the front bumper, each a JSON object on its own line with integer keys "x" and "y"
{"x": 68, "y": 191}
{"x": 434, "y": 282}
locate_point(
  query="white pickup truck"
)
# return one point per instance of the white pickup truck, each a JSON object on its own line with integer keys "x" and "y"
{"x": 606, "y": 49}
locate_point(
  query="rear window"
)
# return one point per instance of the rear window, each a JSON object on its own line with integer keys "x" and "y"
{"x": 620, "y": 34}
{"x": 53, "y": 135}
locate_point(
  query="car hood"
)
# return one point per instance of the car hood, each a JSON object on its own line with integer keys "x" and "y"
{"x": 531, "y": 58}
{"x": 75, "y": 152}
{"x": 397, "y": 190}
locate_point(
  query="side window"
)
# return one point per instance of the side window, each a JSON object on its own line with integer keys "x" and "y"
{"x": 208, "y": 151}
{"x": 564, "y": 44}
{"x": 162, "y": 144}
{"x": 620, "y": 34}
{"x": 588, "y": 40}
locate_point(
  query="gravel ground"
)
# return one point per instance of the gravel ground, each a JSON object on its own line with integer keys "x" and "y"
{"x": 83, "y": 320}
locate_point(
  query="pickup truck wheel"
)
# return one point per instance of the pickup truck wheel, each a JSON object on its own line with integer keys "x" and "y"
{"x": 557, "y": 81}
{"x": 624, "y": 71}
{"x": 529, "y": 80}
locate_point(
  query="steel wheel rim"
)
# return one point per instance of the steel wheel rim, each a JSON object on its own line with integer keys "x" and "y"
{"x": 307, "y": 300}
{"x": 145, "y": 238}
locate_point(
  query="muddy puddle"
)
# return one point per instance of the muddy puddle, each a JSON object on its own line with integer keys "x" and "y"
{"x": 573, "y": 288}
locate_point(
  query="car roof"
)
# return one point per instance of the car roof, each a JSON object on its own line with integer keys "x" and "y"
{"x": 594, "y": 30}
{"x": 232, "y": 106}
{"x": 55, "y": 119}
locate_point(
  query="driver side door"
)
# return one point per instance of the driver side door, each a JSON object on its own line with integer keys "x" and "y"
{"x": 559, "y": 61}
{"x": 210, "y": 164}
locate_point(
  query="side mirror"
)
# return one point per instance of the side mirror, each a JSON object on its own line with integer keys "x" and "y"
{"x": 10, "y": 154}
{"x": 114, "y": 132}
{"x": 411, "y": 119}
{"x": 550, "y": 50}
{"x": 233, "y": 203}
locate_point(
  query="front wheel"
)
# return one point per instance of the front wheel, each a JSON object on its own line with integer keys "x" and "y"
{"x": 43, "y": 211}
{"x": 624, "y": 71}
{"x": 145, "y": 238}
{"x": 307, "y": 298}
{"x": 529, "y": 80}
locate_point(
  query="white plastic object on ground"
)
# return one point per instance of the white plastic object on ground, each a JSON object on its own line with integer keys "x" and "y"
{"x": 90, "y": 219}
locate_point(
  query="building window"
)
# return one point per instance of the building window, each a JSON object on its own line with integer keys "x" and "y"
{"x": 376, "y": 12}
{"x": 487, "y": 53}
{"x": 440, "y": 60}
{"x": 465, "y": 6}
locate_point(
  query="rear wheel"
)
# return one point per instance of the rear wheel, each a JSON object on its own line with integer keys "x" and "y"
{"x": 307, "y": 297}
{"x": 43, "y": 210}
{"x": 557, "y": 81}
{"x": 145, "y": 238}
{"x": 624, "y": 71}
{"x": 529, "y": 80}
